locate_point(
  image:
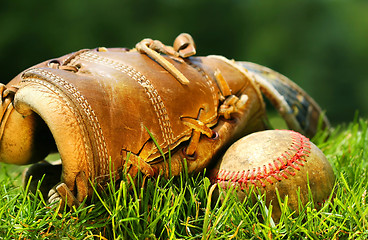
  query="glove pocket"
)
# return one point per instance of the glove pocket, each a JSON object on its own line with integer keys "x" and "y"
{"x": 24, "y": 139}
{"x": 55, "y": 112}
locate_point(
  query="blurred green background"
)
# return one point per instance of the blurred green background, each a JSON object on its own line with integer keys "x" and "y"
{"x": 321, "y": 45}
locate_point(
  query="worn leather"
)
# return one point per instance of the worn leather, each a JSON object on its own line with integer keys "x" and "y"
{"x": 275, "y": 164}
{"x": 101, "y": 105}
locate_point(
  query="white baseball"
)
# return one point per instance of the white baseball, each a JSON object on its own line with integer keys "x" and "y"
{"x": 276, "y": 159}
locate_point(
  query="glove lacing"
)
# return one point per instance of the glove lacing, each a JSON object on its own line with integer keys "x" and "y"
{"x": 6, "y": 98}
{"x": 183, "y": 47}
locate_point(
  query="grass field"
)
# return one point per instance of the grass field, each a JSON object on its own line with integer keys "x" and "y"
{"x": 181, "y": 208}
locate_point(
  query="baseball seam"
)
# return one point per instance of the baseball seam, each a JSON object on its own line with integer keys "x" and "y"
{"x": 293, "y": 158}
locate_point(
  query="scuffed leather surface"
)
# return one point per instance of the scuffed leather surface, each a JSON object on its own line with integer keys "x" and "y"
{"x": 104, "y": 109}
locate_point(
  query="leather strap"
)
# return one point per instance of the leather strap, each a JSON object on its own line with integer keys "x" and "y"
{"x": 6, "y": 97}
{"x": 183, "y": 47}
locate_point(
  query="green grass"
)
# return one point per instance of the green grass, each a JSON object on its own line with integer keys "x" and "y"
{"x": 182, "y": 208}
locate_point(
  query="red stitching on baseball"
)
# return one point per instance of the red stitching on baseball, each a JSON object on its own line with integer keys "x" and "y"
{"x": 284, "y": 175}
{"x": 276, "y": 177}
{"x": 235, "y": 177}
{"x": 281, "y": 167}
{"x": 265, "y": 169}
{"x": 280, "y": 161}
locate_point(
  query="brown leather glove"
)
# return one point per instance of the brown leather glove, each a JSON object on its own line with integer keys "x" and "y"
{"x": 130, "y": 107}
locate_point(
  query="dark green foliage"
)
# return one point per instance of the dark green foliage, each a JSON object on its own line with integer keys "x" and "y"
{"x": 320, "y": 44}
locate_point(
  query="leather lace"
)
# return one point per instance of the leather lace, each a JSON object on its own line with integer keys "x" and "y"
{"x": 183, "y": 47}
{"x": 57, "y": 65}
{"x": 6, "y": 97}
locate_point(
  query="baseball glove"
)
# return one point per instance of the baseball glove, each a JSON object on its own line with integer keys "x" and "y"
{"x": 129, "y": 108}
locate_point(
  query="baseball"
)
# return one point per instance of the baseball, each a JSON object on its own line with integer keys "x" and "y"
{"x": 276, "y": 159}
